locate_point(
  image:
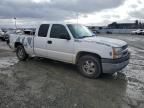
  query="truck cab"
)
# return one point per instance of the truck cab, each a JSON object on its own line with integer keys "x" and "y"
{"x": 75, "y": 44}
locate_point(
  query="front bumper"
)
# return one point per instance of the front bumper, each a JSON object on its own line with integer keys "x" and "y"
{"x": 112, "y": 66}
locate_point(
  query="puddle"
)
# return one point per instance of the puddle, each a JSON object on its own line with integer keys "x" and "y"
{"x": 133, "y": 39}
{"x": 135, "y": 69}
{"x": 135, "y": 50}
{"x": 5, "y": 62}
{"x": 135, "y": 90}
{"x": 134, "y": 74}
{"x": 50, "y": 82}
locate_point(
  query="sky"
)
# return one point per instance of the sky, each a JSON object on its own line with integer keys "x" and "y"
{"x": 87, "y": 12}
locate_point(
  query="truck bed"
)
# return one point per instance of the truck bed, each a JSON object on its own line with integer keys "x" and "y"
{"x": 25, "y": 40}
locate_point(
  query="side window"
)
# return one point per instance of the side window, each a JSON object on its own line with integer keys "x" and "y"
{"x": 59, "y": 31}
{"x": 43, "y": 30}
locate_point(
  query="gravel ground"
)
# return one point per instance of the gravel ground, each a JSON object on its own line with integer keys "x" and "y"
{"x": 43, "y": 83}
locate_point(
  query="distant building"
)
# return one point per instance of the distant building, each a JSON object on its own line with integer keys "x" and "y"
{"x": 95, "y": 28}
{"x": 118, "y": 28}
{"x": 136, "y": 25}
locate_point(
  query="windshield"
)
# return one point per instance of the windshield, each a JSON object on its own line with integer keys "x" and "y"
{"x": 80, "y": 31}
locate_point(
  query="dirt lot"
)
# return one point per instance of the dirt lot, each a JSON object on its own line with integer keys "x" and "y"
{"x": 43, "y": 83}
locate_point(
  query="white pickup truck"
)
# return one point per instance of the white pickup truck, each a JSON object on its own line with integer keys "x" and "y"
{"x": 75, "y": 44}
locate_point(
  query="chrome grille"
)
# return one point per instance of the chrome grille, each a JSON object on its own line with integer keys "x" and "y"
{"x": 125, "y": 47}
{"x": 125, "y": 51}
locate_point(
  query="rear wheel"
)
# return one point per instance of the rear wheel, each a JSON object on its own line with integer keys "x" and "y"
{"x": 89, "y": 66}
{"x": 2, "y": 39}
{"x": 21, "y": 53}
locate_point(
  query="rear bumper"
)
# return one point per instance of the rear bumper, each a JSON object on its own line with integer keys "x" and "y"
{"x": 11, "y": 45}
{"x": 112, "y": 66}
{"x": 1, "y": 37}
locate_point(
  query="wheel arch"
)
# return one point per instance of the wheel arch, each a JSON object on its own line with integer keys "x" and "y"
{"x": 83, "y": 53}
{"x": 17, "y": 44}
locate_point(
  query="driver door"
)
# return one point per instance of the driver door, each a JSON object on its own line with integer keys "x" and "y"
{"x": 60, "y": 45}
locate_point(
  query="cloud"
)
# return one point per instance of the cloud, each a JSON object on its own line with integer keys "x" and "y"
{"x": 53, "y": 9}
{"x": 137, "y": 14}
{"x": 137, "y": 10}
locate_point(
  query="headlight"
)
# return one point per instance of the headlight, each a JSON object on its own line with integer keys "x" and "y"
{"x": 117, "y": 53}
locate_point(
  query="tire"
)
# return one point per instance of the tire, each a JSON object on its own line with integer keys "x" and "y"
{"x": 21, "y": 53}
{"x": 90, "y": 66}
{"x": 2, "y": 39}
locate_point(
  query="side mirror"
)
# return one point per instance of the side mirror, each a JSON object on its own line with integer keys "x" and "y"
{"x": 64, "y": 36}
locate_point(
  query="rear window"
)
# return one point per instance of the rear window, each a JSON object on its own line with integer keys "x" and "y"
{"x": 29, "y": 32}
{"x": 43, "y": 30}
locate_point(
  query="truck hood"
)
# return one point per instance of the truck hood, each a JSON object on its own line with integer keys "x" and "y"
{"x": 106, "y": 41}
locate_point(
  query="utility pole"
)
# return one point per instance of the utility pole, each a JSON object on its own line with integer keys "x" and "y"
{"x": 77, "y": 18}
{"x": 15, "y": 23}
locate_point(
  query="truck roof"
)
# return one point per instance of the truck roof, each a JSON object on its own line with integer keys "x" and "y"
{"x": 64, "y": 23}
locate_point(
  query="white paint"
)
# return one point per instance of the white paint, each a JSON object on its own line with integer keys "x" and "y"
{"x": 67, "y": 50}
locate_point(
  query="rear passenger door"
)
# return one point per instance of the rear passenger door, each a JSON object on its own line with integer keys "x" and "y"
{"x": 60, "y": 43}
{"x": 40, "y": 41}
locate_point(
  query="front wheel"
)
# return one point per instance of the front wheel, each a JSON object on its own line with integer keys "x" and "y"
{"x": 90, "y": 66}
{"x": 21, "y": 53}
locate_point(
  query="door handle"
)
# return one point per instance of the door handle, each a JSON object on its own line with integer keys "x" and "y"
{"x": 49, "y": 42}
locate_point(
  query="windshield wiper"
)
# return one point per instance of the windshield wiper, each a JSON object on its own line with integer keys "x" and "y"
{"x": 89, "y": 36}
{"x": 94, "y": 35}
{"x": 83, "y": 37}
{"x": 86, "y": 36}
